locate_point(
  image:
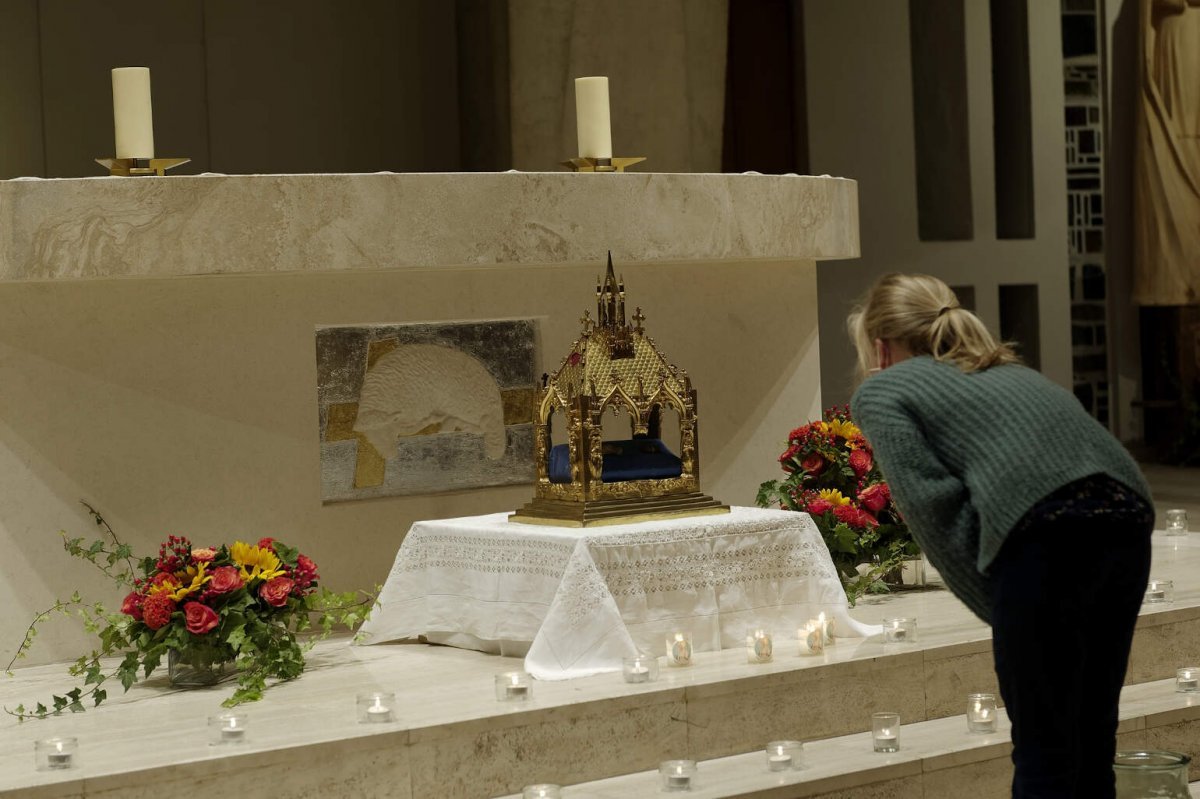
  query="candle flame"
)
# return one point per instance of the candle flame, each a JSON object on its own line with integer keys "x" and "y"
{"x": 821, "y": 617}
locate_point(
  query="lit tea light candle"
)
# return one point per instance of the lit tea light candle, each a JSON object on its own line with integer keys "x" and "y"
{"x": 1159, "y": 591}
{"x": 1177, "y": 521}
{"x": 513, "y": 686}
{"x": 812, "y": 640}
{"x": 640, "y": 668}
{"x": 981, "y": 713}
{"x": 56, "y": 754}
{"x": 828, "y": 626}
{"x": 784, "y": 755}
{"x": 899, "y": 631}
{"x": 375, "y": 708}
{"x": 228, "y": 728}
{"x": 232, "y": 731}
{"x": 677, "y": 774}
{"x": 544, "y": 791}
{"x": 679, "y": 649}
{"x": 760, "y": 647}
{"x": 885, "y": 732}
{"x": 1187, "y": 680}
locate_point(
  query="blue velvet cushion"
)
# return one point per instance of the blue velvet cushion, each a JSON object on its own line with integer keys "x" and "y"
{"x": 638, "y": 459}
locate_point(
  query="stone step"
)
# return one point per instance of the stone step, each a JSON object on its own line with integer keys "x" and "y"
{"x": 937, "y": 758}
{"x": 453, "y": 739}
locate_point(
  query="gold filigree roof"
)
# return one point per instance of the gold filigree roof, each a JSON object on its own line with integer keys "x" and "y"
{"x": 612, "y": 352}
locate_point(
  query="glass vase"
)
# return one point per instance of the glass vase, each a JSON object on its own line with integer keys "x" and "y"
{"x": 196, "y": 668}
{"x": 1157, "y": 774}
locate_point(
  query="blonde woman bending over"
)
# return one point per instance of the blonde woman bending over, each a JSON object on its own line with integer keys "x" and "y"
{"x": 1037, "y": 518}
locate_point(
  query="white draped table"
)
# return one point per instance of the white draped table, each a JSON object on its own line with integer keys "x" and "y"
{"x": 576, "y": 601}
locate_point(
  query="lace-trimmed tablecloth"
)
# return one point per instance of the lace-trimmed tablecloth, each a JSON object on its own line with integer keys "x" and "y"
{"x": 580, "y": 600}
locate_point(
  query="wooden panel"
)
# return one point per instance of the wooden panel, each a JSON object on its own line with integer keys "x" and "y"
{"x": 81, "y": 45}
{"x": 21, "y": 149}
{"x": 307, "y": 86}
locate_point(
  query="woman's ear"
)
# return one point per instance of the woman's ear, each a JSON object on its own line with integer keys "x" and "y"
{"x": 882, "y": 355}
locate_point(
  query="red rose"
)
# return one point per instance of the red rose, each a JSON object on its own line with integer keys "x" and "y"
{"x": 157, "y": 610}
{"x": 860, "y": 461}
{"x": 813, "y": 463}
{"x": 275, "y": 591}
{"x": 132, "y": 606}
{"x": 819, "y": 506}
{"x": 222, "y": 580}
{"x": 875, "y": 497}
{"x": 265, "y": 543}
{"x": 200, "y": 618}
{"x": 855, "y": 517}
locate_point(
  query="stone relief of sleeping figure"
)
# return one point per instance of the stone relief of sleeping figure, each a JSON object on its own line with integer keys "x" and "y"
{"x": 422, "y": 389}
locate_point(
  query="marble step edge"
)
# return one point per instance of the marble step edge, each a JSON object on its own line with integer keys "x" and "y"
{"x": 847, "y": 761}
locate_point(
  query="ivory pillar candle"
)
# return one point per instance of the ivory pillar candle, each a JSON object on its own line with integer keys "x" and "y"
{"x": 133, "y": 120}
{"x": 592, "y": 119}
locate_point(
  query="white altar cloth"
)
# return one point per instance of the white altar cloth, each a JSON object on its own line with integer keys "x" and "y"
{"x": 582, "y": 599}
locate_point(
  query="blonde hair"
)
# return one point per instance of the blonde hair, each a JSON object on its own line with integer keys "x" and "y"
{"x": 923, "y": 313}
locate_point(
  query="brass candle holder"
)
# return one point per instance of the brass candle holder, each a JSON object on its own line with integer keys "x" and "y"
{"x": 136, "y": 167}
{"x": 582, "y": 164}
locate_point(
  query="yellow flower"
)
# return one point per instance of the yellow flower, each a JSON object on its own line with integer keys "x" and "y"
{"x": 255, "y": 563}
{"x": 844, "y": 428}
{"x": 191, "y": 580}
{"x": 169, "y": 584}
{"x": 833, "y": 496}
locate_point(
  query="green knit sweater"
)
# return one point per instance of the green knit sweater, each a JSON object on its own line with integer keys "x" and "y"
{"x": 966, "y": 455}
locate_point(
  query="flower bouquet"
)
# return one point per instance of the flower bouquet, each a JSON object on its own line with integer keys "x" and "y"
{"x": 831, "y": 475}
{"x": 205, "y": 608}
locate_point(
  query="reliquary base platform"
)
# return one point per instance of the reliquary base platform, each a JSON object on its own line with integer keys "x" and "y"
{"x": 596, "y": 513}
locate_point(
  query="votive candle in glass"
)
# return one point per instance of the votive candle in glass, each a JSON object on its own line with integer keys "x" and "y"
{"x": 55, "y": 754}
{"x": 375, "y": 707}
{"x": 760, "y": 647}
{"x": 679, "y": 649}
{"x": 1187, "y": 680}
{"x": 899, "y": 631}
{"x": 543, "y": 791}
{"x": 785, "y": 755}
{"x": 1159, "y": 591}
{"x": 640, "y": 668}
{"x": 981, "y": 713}
{"x": 513, "y": 686}
{"x": 677, "y": 775}
{"x": 812, "y": 640}
{"x": 885, "y": 732}
{"x": 228, "y": 728}
{"x": 1177, "y": 521}
{"x": 830, "y": 627}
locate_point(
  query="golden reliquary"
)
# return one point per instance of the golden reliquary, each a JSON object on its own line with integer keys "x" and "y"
{"x": 615, "y": 367}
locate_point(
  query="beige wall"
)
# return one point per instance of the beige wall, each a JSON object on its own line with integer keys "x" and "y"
{"x": 239, "y": 87}
{"x": 665, "y": 61}
{"x": 188, "y": 405}
{"x": 861, "y": 126}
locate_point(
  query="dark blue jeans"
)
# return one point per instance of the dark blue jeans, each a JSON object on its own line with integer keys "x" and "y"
{"x": 1066, "y": 596}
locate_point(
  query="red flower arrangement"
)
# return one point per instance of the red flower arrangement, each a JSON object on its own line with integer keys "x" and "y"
{"x": 832, "y": 476}
{"x": 243, "y": 604}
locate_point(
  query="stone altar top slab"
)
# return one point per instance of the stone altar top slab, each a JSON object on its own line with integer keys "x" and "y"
{"x": 240, "y": 224}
